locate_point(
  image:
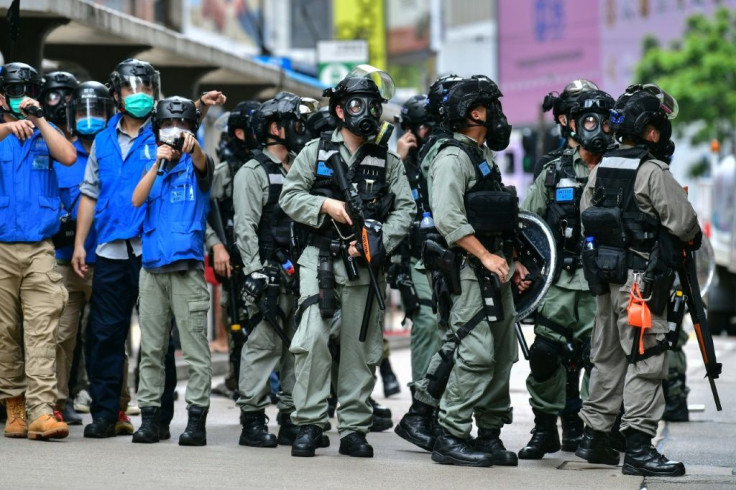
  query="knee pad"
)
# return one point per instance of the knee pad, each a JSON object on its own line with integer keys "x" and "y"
{"x": 544, "y": 358}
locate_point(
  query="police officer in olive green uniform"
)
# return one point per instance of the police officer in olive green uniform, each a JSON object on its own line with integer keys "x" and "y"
{"x": 564, "y": 320}
{"x": 312, "y": 197}
{"x": 262, "y": 232}
{"x": 476, "y": 215}
{"x": 636, "y": 218}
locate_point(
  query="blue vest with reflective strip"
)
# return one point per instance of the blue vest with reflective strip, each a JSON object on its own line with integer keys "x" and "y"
{"x": 30, "y": 207}
{"x": 69, "y": 179}
{"x": 115, "y": 216}
{"x": 174, "y": 226}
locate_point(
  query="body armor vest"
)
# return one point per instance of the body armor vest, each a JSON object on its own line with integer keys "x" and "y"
{"x": 563, "y": 210}
{"x": 614, "y": 218}
{"x": 274, "y": 227}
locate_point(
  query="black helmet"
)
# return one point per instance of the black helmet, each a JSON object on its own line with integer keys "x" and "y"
{"x": 320, "y": 122}
{"x": 437, "y": 92}
{"x": 133, "y": 72}
{"x": 89, "y": 109}
{"x": 641, "y": 105}
{"x": 19, "y": 79}
{"x": 591, "y": 112}
{"x": 56, "y": 92}
{"x": 176, "y": 108}
{"x": 241, "y": 117}
{"x": 414, "y": 112}
{"x": 467, "y": 94}
{"x": 289, "y": 111}
{"x": 560, "y": 104}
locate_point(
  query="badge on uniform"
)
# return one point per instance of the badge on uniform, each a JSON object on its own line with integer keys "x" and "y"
{"x": 323, "y": 169}
{"x": 40, "y": 162}
{"x": 177, "y": 195}
{"x": 564, "y": 194}
{"x": 484, "y": 168}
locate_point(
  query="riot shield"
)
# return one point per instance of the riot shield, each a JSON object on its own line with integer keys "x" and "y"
{"x": 537, "y": 251}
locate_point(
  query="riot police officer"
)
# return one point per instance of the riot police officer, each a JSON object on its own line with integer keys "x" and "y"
{"x": 32, "y": 295}
{"x": 564, "y": 320}
{"x": 635, "y": 217}
{"x": 56, "y": 93}
{"x": 329, "y": 275}
{"x": 262, "y": 234}
{"x": 477, "y": 216}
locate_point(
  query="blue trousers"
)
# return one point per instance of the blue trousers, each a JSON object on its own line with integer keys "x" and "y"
{"x": 114, "y": 294}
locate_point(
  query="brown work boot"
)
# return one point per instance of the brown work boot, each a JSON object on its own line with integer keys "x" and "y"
{"x": 47, "y": 427}
{"x": 16, "y": 425}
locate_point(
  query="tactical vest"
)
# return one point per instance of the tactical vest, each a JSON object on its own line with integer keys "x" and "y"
{"x": 115, "y": 216}
{"x": 492, "y": 209}
{"x": 368, "y": 174}
{"x": 417, "y": 183}
{"x": 30, "y": 207}
{"x": 69, "y": 179}
{"x": 563, "y": 211}
{"x": 274, "y": 227}
{"x": 614, "y": 219}
{"x": 174, "y": 224}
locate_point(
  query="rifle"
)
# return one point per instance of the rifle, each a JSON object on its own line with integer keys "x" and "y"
{"x": 691, "y": 290}
{"x": 354, "y": 207}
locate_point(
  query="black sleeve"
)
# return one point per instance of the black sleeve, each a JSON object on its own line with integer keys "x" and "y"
{"x": 204, "y": 180}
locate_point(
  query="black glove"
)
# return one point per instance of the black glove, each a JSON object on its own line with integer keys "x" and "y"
{"x": 696, "y": 242}
{"x": 253, "y": 287}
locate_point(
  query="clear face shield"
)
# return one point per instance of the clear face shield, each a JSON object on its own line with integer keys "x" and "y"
{"x": 149, "y": 85}
{"x": 383, "y": 80}
{"x": 89, "y": 115}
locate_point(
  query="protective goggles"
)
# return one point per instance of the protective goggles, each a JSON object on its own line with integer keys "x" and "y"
{"x": 20, "y": 89}
{"x": 667, "y": 104}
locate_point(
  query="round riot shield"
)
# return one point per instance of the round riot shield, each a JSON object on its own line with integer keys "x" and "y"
{"x": 538, "y": 253}
{"x": 705, "y": 264}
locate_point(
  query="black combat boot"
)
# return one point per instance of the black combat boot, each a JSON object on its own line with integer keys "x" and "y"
{"x": 545, "y": 438}
{"x": 675, "y": 409}
{"x": 287, "y": 429}
{"x": 308, "y": 439}
{"x": 381, "y": 416}
{"x": 417, "y": 426}
{"x": 489, "y": 441}
{"x": 255, "y": 431}
{"x": 195, "y": 434}
{"x": 572, "y": 431}
{"x": 643, "y": 459}
{"x": 595, "y": 448}
{"x": 390, "y": 383}
{"x": 449, "y": 449}
{"x": 355, "y": 445}
{"x": 148, "y": 432}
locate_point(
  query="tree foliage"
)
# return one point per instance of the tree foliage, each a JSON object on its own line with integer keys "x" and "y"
{"x": 699, "y": 70}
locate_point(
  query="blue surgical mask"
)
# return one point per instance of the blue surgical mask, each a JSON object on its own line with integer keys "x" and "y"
{"x": 138, "y": 105}
{"x": 14, "y": 103}
{"x": 90, "y": 125}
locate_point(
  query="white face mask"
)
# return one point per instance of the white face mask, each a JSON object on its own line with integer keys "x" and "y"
{"x": 170, "y": 135}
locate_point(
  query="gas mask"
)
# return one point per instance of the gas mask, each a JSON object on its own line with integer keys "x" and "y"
{"x": 297, "y": 134}
{"x": 362, "y": 114}
{"x": 593, "y": 132}
{"x": 665, "y": 148}
{"x": 54, "y": 103}
{"x": 499, "y": 129}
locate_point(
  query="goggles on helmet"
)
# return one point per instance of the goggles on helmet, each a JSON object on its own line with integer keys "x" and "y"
{"x": 21, "y": 89}
{"x": 667, "y": 104}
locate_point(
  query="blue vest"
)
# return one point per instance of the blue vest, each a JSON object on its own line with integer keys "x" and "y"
{"x": 69, "y": 179}
{"x": 175, "y": 219}
{"x": 115, "y": 216}
{"x": 30, "y": 207}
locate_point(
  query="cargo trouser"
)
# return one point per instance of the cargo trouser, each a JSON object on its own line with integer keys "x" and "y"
{"x": 80, "y": 291}
{"x": 32, "y": 297}
{"x": 425, "y": 335}
{"x": 613, "y": 379}
{"x": 574, "y": 310}
{"x": 183, "y": 295}
{"x": 358, "y": 360}
{"x": 479, "y": 380}
{"x": 263, "y": 352}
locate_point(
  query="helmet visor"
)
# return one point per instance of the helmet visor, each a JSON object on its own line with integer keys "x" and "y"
{"x": 149, "y": 85}
{"x": 307, "y": 106}
{"x": 383, "y": 80}
{"x": 580, "y": 85}
{"x": 89, "y": 107}
{"x": 667, "y": 103}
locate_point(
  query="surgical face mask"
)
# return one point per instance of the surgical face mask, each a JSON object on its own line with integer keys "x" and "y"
{"x": 90, "y": 126}
{"x": 593, "y": 132}
{"x": 362, "y": 115}
{"x": 14, "y": 103}
{"x": 138, "y": 105}
{"x": 171, "y": 136}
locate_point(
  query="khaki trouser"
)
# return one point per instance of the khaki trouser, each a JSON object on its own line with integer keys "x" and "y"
{"x": 425, "y": 334}
{"x": 79, "y": 290}
{"x": 479, "y": 381}
{"x": 613, "y": 378}
{"x": 184, "y": 296}
{"x": 262, "y": 353}
{"x": 358, "y": 360}
{"x": 32, "y": 298}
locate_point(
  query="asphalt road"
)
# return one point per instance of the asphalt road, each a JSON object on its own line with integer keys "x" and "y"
{"x": 706, "y": 445}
